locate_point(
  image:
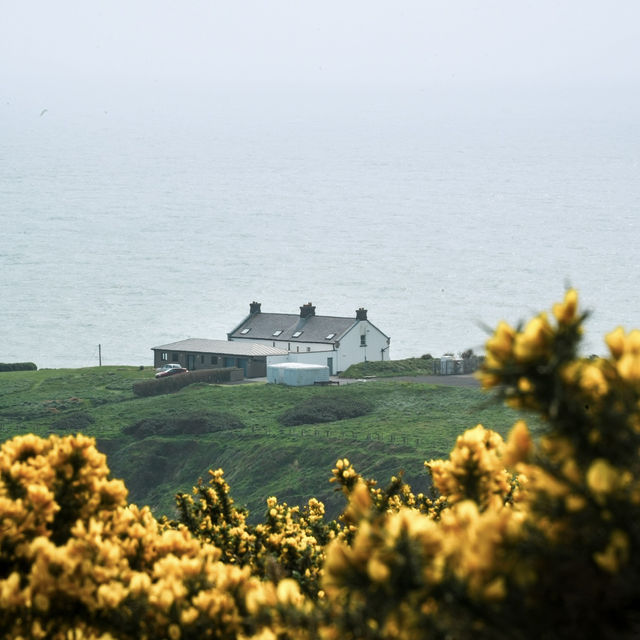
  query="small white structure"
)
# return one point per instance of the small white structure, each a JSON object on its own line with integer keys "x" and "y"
{"x": 297, "y": 374}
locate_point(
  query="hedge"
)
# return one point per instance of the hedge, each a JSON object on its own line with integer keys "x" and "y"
{"x": 170, "y": 384}
{"x": 18, "y": 366}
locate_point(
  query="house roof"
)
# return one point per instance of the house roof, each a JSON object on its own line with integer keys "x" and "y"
{"x": 222, "y": 347}
{"x": 263, "y": 326}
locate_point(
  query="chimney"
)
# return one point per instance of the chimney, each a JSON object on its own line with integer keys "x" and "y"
{"x": 307, "y": 310}
{"x": 361, "y": 314}
{"x": 254, "y": 307}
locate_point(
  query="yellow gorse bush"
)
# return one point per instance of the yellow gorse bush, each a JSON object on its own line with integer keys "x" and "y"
{"x": 523, "y": 538}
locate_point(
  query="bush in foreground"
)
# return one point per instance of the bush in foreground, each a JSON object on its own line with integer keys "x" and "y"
{"x": 519, "y": 540}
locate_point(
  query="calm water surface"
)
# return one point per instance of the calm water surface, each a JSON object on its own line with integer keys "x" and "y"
{"x": 131, "y": 229}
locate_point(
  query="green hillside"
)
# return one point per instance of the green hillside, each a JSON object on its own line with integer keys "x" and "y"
{"x": 163, "y": 444}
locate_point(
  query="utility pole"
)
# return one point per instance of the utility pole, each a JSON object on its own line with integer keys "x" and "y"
{"x": 100, "y": 355}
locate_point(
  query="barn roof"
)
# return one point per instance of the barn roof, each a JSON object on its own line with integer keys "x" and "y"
{"x": 222, "y": 347}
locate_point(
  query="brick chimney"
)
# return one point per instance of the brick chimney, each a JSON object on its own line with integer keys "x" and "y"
{"x": 361, "y": 314}
{"x": 254, "y": 307}
{"x": 307, "y": 310}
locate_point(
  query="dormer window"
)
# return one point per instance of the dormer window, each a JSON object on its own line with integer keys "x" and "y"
{"x": 277, "y": 332}
{"x": 297, "y": 334}
{"x": 245, "y": 331}
{"x": 330, "y": 336}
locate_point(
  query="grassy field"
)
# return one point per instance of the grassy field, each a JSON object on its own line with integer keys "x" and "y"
{"x": 163, "y": 444}
{"x": 390, "y": 368}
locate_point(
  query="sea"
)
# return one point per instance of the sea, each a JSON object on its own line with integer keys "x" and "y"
{"x": 124, "y": 226}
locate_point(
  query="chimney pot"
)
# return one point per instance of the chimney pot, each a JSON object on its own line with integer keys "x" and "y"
{"x": 361, "y": 314}
{"x": 307, "y": 310}
{"x": 254, "y": 307}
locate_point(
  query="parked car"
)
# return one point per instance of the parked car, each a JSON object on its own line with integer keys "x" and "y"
{"x": 171, "y": 372}
{"x": 165, "y": 367}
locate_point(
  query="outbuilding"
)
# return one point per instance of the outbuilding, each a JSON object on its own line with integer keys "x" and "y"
{"x": 197, "y": 353}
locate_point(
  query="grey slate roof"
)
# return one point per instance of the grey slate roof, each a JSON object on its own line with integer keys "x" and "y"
{"x": 222, "y": 347}
{"x": 314, "y": 328}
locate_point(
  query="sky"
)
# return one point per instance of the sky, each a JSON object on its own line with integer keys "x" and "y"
{"x": 82, "y": 50}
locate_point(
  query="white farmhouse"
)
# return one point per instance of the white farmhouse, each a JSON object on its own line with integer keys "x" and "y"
{"x": 333, "y": 341}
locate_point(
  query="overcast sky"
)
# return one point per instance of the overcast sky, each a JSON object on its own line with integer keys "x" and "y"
{"x": 66, "y": 46}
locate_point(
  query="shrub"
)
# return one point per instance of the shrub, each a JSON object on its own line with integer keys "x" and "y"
{"x": 170, "y": 384}
{"x": 17, "y": 366}
{"x": 319, "y": 409}
{"x": 191, "y": 424}
{"x": 75, "y": 421}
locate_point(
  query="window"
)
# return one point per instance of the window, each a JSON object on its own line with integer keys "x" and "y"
{"x": 363, "y": 340}
{"x": 214, "y": 359}
{"x": 274, "y": 343}
{"x": 164, "y": 356}
{"x": 297, "y": 334}
{"x": 245, "y": 331}
{"x": 277, "y": 332}
{"x": 331, "y": 335}
{"x": 308, "y": 348}
{"x": 201, "y": 359}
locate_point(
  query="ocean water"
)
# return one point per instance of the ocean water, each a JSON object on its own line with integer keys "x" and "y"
{"x": 133, "y": 227}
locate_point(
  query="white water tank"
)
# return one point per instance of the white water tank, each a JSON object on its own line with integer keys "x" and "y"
{"x": 297, "y": 374}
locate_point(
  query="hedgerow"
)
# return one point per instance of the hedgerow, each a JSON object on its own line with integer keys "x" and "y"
{"x": 17, "y": 366}
{"x": 520, "y": 539}
{"x": 171, "y": 384}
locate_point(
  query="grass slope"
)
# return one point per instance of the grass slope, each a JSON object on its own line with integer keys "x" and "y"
{"x": 163, "y": 444}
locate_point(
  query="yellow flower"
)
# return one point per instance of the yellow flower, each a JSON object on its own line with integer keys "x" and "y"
{"x": 565, "y": 311}
{"x": 616, "y": 554}
{"x": 41, "y": 602}
{"x": 535, "y": 341}
{"x": 496, "y": 589}
{"x": 615, "y": 341}
{"x": 500, "y": 344}
{"x": 602, "y": 478}
{"x": 288, "y": 592}
{"x": 378, "y": 571}
{"x": 629, "y": 367}
{"x": 519, "y": 444}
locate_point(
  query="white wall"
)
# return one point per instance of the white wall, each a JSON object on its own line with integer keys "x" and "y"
{"x": 308, "y": 357}
{"x": 350, "y": 350}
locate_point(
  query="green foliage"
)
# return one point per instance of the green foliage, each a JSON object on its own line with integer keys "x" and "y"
{"x": 73, "y": 422}
{"x": 389, "y": 368}
{"x": 188, "y": 424}
{"x": 408, "y": 423}
{"x": 318, "y": 409}
{"x": 171, "y": 384}
{"x": 18, "y": 366}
